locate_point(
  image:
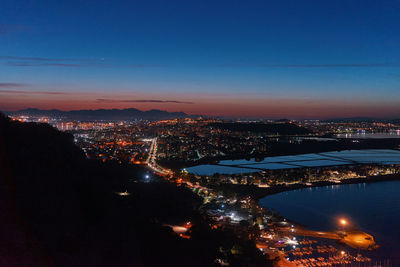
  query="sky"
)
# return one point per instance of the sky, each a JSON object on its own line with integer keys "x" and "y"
{"x": 260, "y": 59}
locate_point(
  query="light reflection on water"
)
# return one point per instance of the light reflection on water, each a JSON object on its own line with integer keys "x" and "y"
{"x": 393, "y": 134}
{"x": 372, "y": 207}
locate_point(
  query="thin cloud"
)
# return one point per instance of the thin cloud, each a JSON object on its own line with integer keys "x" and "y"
{"x": 104, "y": 100}
{"x": 11, "y": 85}
{"x": 17, "y": 61}
{"x": 19, "y": 92}
{"x": 18, "y": 58}
{"x": 344, "y": 65}
{"x": 30, "y": 64}
{"x": 134, "y": 66}
{"x": 79, "y": 65}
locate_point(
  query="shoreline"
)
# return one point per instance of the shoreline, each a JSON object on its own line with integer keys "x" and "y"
{"x": 302, "y": 227}
{"x": 264, "y": 192}
{"x": 257, "y": 193}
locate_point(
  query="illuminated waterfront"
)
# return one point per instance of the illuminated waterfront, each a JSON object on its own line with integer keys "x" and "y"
{"x": 372, "y": 207}
{"x": 363, "y": 135}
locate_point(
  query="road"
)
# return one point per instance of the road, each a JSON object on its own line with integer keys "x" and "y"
{"x": 354, "y": 239}
{"x": 151, "y": 160}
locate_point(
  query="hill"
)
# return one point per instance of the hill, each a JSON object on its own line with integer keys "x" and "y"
{"x": 60, "y": 209}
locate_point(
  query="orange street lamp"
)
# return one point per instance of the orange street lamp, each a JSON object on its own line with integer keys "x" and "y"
{"x": 343, "y": 222}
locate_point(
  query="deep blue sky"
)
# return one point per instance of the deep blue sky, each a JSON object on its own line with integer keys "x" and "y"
{"x": 249, "y": 58}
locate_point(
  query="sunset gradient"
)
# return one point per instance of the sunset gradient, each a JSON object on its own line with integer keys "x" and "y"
{"x": 255, "y": 59}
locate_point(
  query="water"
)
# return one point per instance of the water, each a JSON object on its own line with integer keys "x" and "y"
{"x": 372, "y": 207}
{"x": 394, "y": 134}
{"x": 380, "y": 156}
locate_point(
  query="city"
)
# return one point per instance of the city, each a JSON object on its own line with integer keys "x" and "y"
{"x": 169, "y": 149}
{"x": 199, "y": 133}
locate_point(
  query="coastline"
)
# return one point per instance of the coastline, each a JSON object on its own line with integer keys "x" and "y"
{"x": 264, "y": 192}
{"x": 379, "y": 237}
{"x": 257, "y": 193}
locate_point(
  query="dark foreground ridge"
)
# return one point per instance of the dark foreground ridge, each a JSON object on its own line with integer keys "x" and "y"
{"x": 60, "y": 209}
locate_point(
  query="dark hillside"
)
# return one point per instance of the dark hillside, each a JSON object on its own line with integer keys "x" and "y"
{"x": 60, "y": 209}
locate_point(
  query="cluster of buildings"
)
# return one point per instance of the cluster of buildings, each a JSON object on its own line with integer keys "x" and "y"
{"x": 283, "y": 241}
{"x": 305, "y": 176}
{"x": 341, "y": 127}
{"x": 190, "y": 140}
{"x": 124, "y": 142}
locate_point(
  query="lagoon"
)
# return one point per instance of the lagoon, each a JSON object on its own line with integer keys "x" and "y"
{"x": 372, "y": 207}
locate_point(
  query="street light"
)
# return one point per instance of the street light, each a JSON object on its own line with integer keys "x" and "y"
{"x": 343, "y": 223}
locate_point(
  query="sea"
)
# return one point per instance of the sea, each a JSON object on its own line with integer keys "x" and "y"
{"x": 371, "y": 207}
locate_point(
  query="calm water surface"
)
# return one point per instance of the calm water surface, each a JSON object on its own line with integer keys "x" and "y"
{"x": 372, "y": 207}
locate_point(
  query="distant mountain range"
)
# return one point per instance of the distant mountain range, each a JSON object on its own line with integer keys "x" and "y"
{"x": 104, "y": 114}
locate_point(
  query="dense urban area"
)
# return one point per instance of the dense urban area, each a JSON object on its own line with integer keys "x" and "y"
{"x": 169, "y": 149}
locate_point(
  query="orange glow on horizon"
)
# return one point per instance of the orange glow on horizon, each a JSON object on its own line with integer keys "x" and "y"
{"x": 218, "y": 105}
